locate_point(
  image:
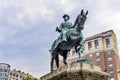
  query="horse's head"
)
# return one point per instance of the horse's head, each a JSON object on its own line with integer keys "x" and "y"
{"x": 82, "y": 17}
{"x": 80, "y": 21}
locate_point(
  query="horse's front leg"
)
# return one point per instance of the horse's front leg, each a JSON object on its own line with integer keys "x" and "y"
{"x": 79, "y": 46}
{"x": 79, "y": 50}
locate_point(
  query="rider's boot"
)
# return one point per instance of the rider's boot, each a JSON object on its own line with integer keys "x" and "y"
{"x": 64, "y": 38}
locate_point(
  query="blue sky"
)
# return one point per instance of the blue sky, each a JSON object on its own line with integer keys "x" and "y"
{"x": 27, "y": 28}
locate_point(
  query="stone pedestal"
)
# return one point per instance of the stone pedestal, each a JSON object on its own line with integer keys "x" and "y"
{"x": 77, "y": 71}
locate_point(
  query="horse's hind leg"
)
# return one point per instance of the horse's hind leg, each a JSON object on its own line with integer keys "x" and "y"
{"x": 52, "y": 60}
{"x": 57, "y": 60}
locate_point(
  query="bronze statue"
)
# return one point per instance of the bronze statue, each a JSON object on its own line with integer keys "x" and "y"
{"x": 71, "y": 36}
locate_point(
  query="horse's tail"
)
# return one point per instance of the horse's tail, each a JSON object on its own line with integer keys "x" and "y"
{"x": 54, "y": 45}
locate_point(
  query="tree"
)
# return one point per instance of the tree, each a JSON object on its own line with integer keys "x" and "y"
{"x": 29, "y": 78}
{"x": 35, "y": 79}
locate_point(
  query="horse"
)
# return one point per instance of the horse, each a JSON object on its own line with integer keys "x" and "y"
{"x": 74, "y": 39}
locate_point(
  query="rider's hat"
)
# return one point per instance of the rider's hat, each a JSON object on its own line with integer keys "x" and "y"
{"x": 65, "y": 15}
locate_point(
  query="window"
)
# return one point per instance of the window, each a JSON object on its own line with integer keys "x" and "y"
{"x": 10, "y": 74}
{"x": 5, "y": 70}
{"x": 108, "y": 42}
{"x": 112, "y": 79}
{"x": 0, "y": 74}
{"x": 1, "y": 70}
{"x": 97, "y": 54}
{"x": 89, "y": 45}
{"x": 16, "y": 75}
{"x": 97, "y": 60}
{"x": 109, "y": 53}
{"x": 6, "y": 74}
{"x": 20, "y": 76}
{"x": 96, "y": 44}
{"x": 110, "y": 59}
{"x": 4, "y": 79}
{"x": 111, "y": 73}
{"x": 90, "y": 55}
{"x": 110, "y": 65}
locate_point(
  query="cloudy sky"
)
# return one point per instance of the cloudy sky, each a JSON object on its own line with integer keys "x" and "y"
{"x": 27, "y": 28}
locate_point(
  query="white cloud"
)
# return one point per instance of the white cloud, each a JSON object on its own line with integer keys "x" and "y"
{"x": 67, "y": 6}
{"x": 5, "y": 34}
{"x": 37, "y": 10}
{"x": 25, "y": 10}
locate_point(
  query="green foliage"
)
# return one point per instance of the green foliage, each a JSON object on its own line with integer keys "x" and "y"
{"x": 35, "y": 79}
{"x": 29, "y": 78}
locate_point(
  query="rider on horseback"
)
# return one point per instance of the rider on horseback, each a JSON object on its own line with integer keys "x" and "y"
{"x": 64, "y": 27}
{"x": 70, "y": 33}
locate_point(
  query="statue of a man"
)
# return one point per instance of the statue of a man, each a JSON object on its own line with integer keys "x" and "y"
{"x": 64, "y": 27}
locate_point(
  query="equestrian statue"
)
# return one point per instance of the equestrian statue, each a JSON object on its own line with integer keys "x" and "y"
{"x": 70, "y": 36}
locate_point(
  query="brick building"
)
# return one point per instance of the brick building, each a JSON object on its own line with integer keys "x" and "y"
{"x": 102, "y": 49}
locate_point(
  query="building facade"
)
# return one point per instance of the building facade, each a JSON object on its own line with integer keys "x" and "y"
{"x": 4, "y": 71}
{"x": 7, "y": 74}
{"x": 118, "y": 73}
{"x": 102, "y": 49}
{"x": 18, "y": 75}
